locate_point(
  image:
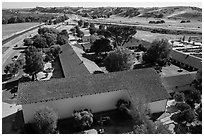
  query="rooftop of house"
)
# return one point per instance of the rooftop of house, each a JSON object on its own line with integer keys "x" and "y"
{"x": 141, "y": 83}
{"x": 172, "y": 70}
{"x": 71, "y": 63}
{"x": 180, "y": 80}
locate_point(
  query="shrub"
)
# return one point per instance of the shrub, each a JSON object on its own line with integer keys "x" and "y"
{"x": 45, "y": 120}
{"x": 123, "y": 105}
{"x": 183, "y": 21}
{"x": 83, "y": 119}
{"x": 179, "y": 97}
{"x": 118, "y": 60}
{"x": 11, "y": 68}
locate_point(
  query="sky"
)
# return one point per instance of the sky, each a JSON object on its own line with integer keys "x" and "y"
{"x": 127, "y": 3}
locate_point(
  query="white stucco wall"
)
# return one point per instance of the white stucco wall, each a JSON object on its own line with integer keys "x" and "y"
{"x": 157, "y": 106}
{"x": 65, "y": 107}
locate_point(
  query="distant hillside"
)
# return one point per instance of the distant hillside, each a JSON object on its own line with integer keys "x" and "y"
{"x": 173, "y": 12}
{"x": 179, "y": 12}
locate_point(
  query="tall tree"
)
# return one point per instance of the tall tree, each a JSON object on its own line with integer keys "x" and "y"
{"x": 40, "y": 42}
{"x": 158, "y": 53}
{"x": 118, "y": 60}
{"x": 101, "y": 45}
{"x": 34, "y": 61}
{"x": 121, "y": 34}
{"x": 51, "y": 38}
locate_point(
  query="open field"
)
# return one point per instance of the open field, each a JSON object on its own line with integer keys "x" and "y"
{"x": 148, "y": 36}
{"x": 169, "y": 23}
{"x": 9, "y": 29}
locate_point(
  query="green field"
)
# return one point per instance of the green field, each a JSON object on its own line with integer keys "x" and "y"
{"x": 9, "y": 29}
{"x": 169, "y": 23}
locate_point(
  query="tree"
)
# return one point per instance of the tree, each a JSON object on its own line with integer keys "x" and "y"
{"x": 86, "y": 24}
{"x": 118, "y": 60}
{"x": 73, "y": 30}
{"x": 194, "y": 96}
{"x": 92, "y": 30}
{"x": 158, "y": 53}
{"x": 28, "y": 42}
{"x": 62, "y": 39}
{"x": 45, "y": 119}
{"x": 151, "y": 128}
{"x": 92, "y": 25}
{"x": 101, "y": 27}
{"x": 65, "y": 33}
{"x": 20, "y": 63}
{"x": 11, "y": 68}
{"x": 121, "y": 34}
{"x": 40, "y": 42}
{"x": 101, "y": 45}
{"x": 55, "y": 50}
{"x": 80, "y": 22}
{"x": 51, "y": 38}
{"x": 80, "y": 34}
{"x": 179, "y": 97}
{"x": 34, "y": 61}
{"x": 142, "y": 122}
{"x": 83, "y": 119}
{"x": 44, "y": 30}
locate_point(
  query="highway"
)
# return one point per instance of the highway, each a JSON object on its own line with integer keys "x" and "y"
{"x": 16, "y": 51}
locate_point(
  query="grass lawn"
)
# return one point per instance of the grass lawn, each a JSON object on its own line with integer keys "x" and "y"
{"x": 9, "y": 29}
{"x": 119, "y": 123}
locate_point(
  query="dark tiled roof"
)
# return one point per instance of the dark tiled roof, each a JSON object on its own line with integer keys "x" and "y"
{"x": 139, "y": 83}
{"x": 71, "y": 63}
{"x": 187, "y": 59}
{"x": 180, "y": 80}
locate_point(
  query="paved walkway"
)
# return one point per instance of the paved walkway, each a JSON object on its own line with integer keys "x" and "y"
{"x": 9, "y": 109}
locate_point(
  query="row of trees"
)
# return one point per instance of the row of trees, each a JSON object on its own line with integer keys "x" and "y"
{"x": 9, "y": 17}
{"x": 113, "y": 36}
{"x": 13, "y": 67}
{"x": 187, "y": 112}
{"x": 47, "y": 42}
{"x": 47, "y": 37}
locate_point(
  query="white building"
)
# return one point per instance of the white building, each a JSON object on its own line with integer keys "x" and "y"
{"x": 99, "y": 92}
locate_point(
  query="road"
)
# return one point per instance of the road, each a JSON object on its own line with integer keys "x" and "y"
{"x": 16, "y": 51}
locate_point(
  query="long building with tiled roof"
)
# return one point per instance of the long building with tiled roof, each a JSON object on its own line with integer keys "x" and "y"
{"x": 143, "y": 82}
{"x": 71, "y": 63}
